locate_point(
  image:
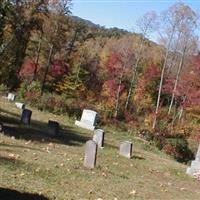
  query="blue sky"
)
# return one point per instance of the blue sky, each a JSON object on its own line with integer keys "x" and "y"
{"x": 124, "y": 13}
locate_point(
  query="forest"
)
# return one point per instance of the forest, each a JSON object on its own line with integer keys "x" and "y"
{"x": 60, "y": 63}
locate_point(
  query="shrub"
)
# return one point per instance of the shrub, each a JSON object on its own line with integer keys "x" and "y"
{"x": 3, "y": 89}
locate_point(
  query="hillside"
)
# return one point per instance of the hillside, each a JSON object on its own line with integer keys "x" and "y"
{"x": 32, "y": 162}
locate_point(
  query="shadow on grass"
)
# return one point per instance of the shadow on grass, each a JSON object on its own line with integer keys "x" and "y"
{"x": 137, "y": 157}
{"x": 9, "y": 194}
{"x": 38, "y": 131}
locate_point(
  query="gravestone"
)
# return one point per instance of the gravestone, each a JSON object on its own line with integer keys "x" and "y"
{"x": 194, "y": 169}
{"x": 11, "y": 97}
{"x": 125, "y": 149}
{"x": 53, "y": 128}
{"x": 98, "y": 137}
{"x": 20, "y": 105}
{"x": 88, "y": 119}
{"x": 90, "y": 154}
{"x": 26, "y": 116}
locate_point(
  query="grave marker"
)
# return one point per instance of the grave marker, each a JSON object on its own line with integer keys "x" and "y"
{"x": 88, "y": 119}
{"x": 194, "y": 169}
{"x": 90, "y": 154}
{"x": 125, "y": 149}
{"x": 98, "y": 137}
{"x": 26, "y": 116}
{"x": 53, "y": 127}
{"x": 20, "y": 105}
{"x": 11, "y": 97}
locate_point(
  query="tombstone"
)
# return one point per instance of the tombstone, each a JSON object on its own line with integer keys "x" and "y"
{"x": 90, "y": 154}
{"x": 1, "y": 127}
{"x": 11, "y": 97}
{"x": 98, "y": 137}
{"x": 88, "y": 120}
{"x": 20, "y": 105}
{"x": 53, "y": 128}
{"x": 125, "y": 149}
{"x": 194, "y": 169}
{"x": 26, "y": 116}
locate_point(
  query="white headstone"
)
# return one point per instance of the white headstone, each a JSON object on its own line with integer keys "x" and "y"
{"x": 88, "y": 119}
{"x": 194, "y": 169}
{"x": 20, "y": 105}
{"x": 11, "y": 97}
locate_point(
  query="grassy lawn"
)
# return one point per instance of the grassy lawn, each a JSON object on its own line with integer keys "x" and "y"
{"x": 31, "y": 161}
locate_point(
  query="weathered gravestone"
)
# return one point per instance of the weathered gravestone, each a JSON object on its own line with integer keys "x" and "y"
{"x": 53, "y": 128}
{"x": 26, "y": 116}
{"x": 194, "y": 169}
{"x": 11, "y": 97}
{"x": 125, "y": 149}
{"x": 88, "y": 119}
{"x": 90, "y": 154}
{"x": 98, "y": 137}
{"x": 20, "y": 105}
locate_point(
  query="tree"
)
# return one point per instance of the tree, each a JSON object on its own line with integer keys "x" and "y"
{"x": 175, "y": 19}
{"x": 146, "y": 25}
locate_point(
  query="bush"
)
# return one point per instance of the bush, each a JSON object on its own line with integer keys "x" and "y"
{"x": 3, "y": 89}
{"x": 178, "y": 148}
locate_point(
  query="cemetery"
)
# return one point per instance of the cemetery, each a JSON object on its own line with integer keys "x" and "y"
{"x": 37, "y": 153}
{"x": 99, "y": 100}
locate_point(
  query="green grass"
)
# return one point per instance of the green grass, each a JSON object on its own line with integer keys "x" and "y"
{"x": 35, "y": 163}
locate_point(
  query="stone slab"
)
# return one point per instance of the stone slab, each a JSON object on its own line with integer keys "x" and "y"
{"x": 26, "y": 116}
{"x": 20, "y": 105}
{"x": 98, "y": 137}
{"x": 125, "y": 149}
{"x": 11, "y": 97}
{"x": 90, "y": 154}
{"x": 53, "y": 128}
{"x": 84, "y": 125}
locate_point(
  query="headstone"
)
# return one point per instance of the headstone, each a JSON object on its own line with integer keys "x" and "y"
{"x": 88, "y": 119}
{"x": 11, "y": 97}
{"x": 90, "y": 154}
{"x": 98, "y": 137}
{"x": 20, "y": 105}
{"x": 194, "y": 169}
{"x": 26, "y": 116}
{"x": 125, "y": 149}
{"x": 53, "y": 127}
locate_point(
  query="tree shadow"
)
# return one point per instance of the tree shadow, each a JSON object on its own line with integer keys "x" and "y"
{"x": 10, "y": 194}
{"x": 137, "y": 157}
{"x": 38, "y": 131}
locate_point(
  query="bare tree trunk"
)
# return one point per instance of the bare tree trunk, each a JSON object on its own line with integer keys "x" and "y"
{"x": 177, "y": 78}
{"x": 37, "y": 58}
{"x": 134, "y": 74}
{"x": 47, "y": 69}
{"x": 162, "y": 77}
{"x": 118, "y": 92}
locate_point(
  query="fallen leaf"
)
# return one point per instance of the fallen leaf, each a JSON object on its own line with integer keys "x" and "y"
{"x": 133, "y": 192}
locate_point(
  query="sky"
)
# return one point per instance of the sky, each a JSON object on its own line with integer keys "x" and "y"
{"x": 122, "y": 13}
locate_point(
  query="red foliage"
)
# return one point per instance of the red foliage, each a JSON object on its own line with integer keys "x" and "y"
{"x": 188, "y": 88}
{"x": 114, "y": 65}
{"x": 151, "y": 73}
{"x": 58, "y": 69}
{"x": 27, "y": 70}
{"x": 110, "y": 88}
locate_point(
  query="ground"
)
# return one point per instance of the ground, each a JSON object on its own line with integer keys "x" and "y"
{"x": 34, "y": 163}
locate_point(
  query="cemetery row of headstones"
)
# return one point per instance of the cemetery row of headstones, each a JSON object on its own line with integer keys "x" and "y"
{"x": 53, "y": 126}
{"x": 88, "y": 121}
